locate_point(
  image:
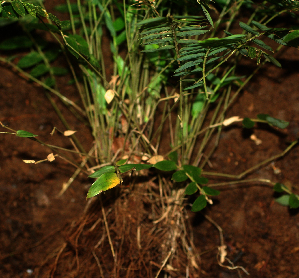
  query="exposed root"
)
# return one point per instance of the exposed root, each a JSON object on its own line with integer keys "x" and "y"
{"x": 141, "y": 233}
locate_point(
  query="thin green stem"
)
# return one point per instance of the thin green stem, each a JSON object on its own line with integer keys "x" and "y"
{"x": 253, "y": 168}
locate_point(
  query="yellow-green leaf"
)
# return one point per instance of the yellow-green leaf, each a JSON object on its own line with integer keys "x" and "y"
{"x": 103, "y": 183}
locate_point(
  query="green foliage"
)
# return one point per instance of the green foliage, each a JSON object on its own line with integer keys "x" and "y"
{"x": 166, "y": 165}
{"x": 272, "y": 121}
{"x": 39, "y": 70}
{"x": 279, "y": 187}
{"x": 160, "y": 48}
{"x": 173, "y": 156}
{"x": 136, "y": 167}
{"x": 247, "y": 123}
{"x": 179, "y": 176}
{"x": 288, "y": 198}
{"x": 199, "y": 204}
{"x": 30, "y": 60}
{"x": 294, "y": 201}
{"x": 109, "y": 176}
{"x": 210, "y": 191}
{"x": 191, "y": 188}
{"x": 104, "y": 182}
{"x": 106, "y": 169}
{"x": 26, "y": 134}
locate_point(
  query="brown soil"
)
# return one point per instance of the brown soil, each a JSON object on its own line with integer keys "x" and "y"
{"x": 43, "y": 235}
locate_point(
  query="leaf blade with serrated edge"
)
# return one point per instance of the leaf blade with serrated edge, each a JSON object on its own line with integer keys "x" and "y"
{"x": 103, "y": 170}
{"x": 103, "y": 183}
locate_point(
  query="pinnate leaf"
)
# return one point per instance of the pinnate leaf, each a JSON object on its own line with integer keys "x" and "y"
{"x": 248, "y": 28}
{"x": 291, "y": 36}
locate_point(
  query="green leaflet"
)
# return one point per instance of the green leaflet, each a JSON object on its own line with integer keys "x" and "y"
{"x": 262, "y": 44}
{"x": 166, "y": 165}
{"x": 24, "y": 133}
{"x": 273, "y": 121}
{"x": 18, "y": 7}
{"x": 248, "y": 28}
{"x": 191, "y": 188}
{"x": 39, "y": 70}
{"x": 218, "y": 42}
{"x": 179, "y": 176}
{"x": 199, "y": 204}
{"x": 19, "y": 42}
{"x": 247, "y": 123}
{"x": 210, "y": 191}
{"x": 30, "y": 59}
{"x": 137, "y": 167}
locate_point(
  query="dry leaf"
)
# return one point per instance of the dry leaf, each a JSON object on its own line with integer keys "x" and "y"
{"x": 29, "y": 161}
{"x": 256, "y": 140}
{"x": 294, "y": 250}
{"x": 171, "y": 268}
{"x": 231, "y": 120}
{"x": 209, "y": 200}
{"x": 65, "y": 186}
{"x": 69, "y": 132}
{"x": 260, "y": 265}
{"x": 223, "y": 253}
{"x": 276, "y": 170}
{"x": 144, "y": 157}
{"x": 176, "y": 97}
{"x": 193, "y": 262}
{"x": 155, "y": 159}
{"x": 124, "y": 124}
{"x": 109, "y": 95}
{"x": 113, "y": 80}
{"x": 51, "y": 157}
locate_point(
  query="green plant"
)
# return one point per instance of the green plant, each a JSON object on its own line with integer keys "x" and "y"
{"x": 173, "y": 41}
{"x": 175, "y": 73}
